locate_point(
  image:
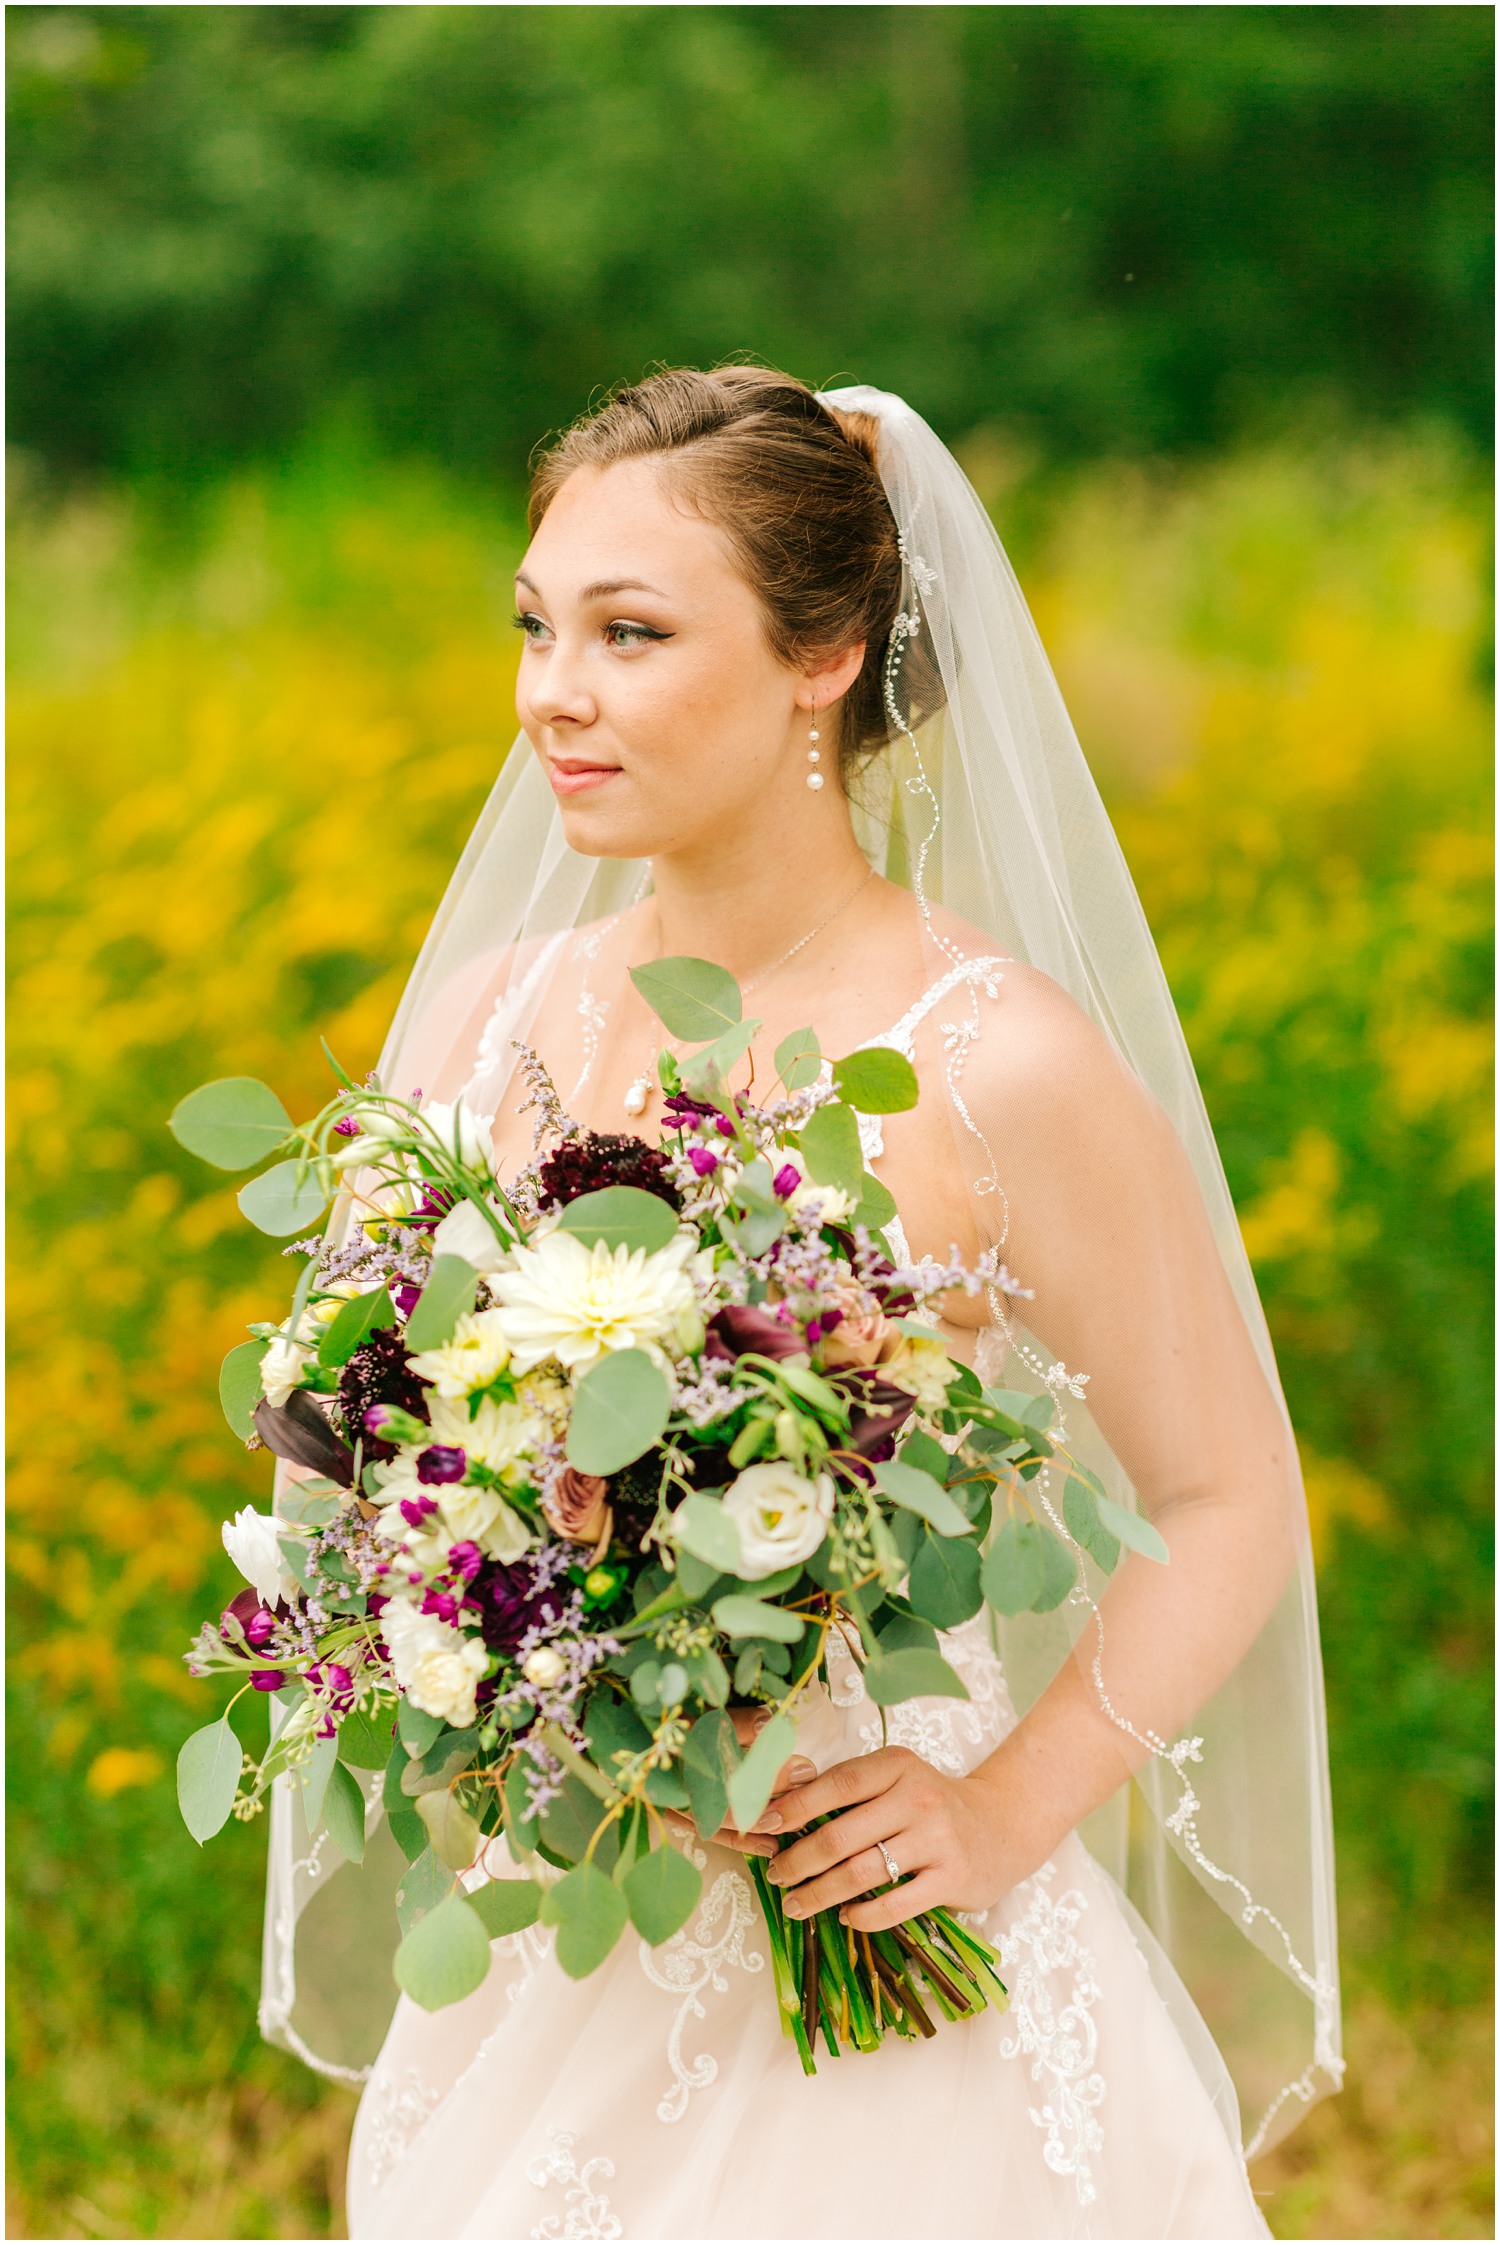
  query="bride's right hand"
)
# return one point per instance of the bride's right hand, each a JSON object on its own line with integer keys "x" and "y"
{"x": 758, "y": 1840}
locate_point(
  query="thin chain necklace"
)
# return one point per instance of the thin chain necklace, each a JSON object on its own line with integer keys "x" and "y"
{"x": 638, "y": 1093}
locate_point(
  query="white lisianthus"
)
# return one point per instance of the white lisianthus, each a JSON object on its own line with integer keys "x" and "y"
{"x": 465, "y": 1233}
{"x": 281, "y": 1368}
{"x": 923, "y": 1368}
{"x": 781, "y": 1515}
{"x": 474, "y": 1353}
{"x": 252, "y": 1540}
{"x": 436, "y": 1665}
{"x": 454, "y": 1127}
{"x": 578, "y": 1303}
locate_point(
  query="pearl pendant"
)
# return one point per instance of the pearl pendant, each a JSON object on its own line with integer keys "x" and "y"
{"x": 815, "y": 781}
{"x": 635, "y": 1098}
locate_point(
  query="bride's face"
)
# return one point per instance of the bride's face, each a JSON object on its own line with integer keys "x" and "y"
{"x": 647, "y": 685}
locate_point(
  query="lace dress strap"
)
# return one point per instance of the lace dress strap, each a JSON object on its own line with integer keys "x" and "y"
{"x": 491, "y": 1061}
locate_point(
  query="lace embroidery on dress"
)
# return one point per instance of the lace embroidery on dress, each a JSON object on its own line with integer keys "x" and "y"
{"x": 589, "y": 2213}
{"x": 1061, "y": 2044}
{"x": 952, "y": 1734}
{"x": 693, "y": 1961}
{"x": 396, "y": 2113}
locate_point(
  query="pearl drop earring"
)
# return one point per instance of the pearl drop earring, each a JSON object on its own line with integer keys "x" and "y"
{"x": 814, "y": 753}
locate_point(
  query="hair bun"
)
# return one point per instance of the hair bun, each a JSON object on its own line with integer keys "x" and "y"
{"x": 861, "y": 429}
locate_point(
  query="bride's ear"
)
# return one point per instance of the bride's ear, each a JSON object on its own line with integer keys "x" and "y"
{"x": 830, "y": 677}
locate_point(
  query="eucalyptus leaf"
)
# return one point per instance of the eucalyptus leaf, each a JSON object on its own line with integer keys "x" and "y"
{"x": 697, "y": 1576}
{"x": 829, "y": 1145}
{"x": 208, "y": 1777}
{"x": 312, "y": 1781}
{"x": 799, "y": 1061}
{"x": 456, "y": 1838}
{"x": 906, "y": 1485}
{"x": 590, "y": 1913}
{"x": 352, "y": 1322}
{"x": 1081, "y": 1512}
{"x": 447, "y": 1296}
{"x": 703, "y": 1072}
{"x": 710, "y": 1756}
{"x": 691, "y": 997}
{"x": 300, "y": 1510}
{"x": 701, "y": 1525}
{"x": 287, "y": 1198}
{"x": 239, "y": 1386}
{"x": 418, "y": 1729}
{"x": 750, "y": 1785}
{"x": 506, "y": 1906}
{"x": 877, "y": 1081}
{"x": 661, "y": 1891}
{"x": 876, "y": 1206}
{"x": 233, "y": 1123}
{"x": 943, "y": 1586}
{"x": 445, "y": 1956}
{"x": 620, "y": 1216}
{"x": 1015, "y": 1567}
{"x": 910, "y": 1673}
{"x": 424, "y": 1884}
{"x": 521, "y": 1827}
{"x": 1132, "y": 1529}
{"x": 1059, "y": 1574}
{"x": 740, "y": 1616}
{"x": 344, "y": 1813}
{"x": 364, "y": 1737}
{"x": 620, "y": 1408}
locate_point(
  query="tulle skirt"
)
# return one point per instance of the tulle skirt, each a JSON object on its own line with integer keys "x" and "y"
{"x": 659, "y": 2098}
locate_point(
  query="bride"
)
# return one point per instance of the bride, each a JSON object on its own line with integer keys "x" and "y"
{"x": 786, "y": 710}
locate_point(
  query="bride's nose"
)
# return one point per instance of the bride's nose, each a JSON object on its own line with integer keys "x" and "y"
{"x": 556, "y": 693}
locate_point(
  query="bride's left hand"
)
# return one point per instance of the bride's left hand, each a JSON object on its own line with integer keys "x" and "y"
{"x": 956, "y": 1836}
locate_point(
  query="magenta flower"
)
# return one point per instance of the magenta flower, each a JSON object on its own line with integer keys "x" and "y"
{"x": 786, "y": 1181}
{"x": 442, "y": 1603}
{"x": 703, "y": 1160}
{"x": 414, "y": 1510}
{"x": 466, "y": 1559}
{"x": 267, "y": 1679}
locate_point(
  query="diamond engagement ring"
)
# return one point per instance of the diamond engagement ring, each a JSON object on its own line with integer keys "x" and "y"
{"x": 889, "y": 1861}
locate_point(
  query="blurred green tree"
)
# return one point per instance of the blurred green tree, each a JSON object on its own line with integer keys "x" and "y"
{"x": 1118, "y": 228}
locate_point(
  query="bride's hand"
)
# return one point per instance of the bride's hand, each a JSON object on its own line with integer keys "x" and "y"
{"x": 960, "y": 1842}
{"x": 757, "y": 1840}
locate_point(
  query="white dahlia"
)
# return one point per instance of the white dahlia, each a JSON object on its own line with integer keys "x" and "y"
{"x": 578, "y": 1303}
{"x": 470, "y": 1358}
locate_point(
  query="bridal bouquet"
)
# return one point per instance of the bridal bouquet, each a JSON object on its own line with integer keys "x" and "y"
{"x": 580, "y": 1463}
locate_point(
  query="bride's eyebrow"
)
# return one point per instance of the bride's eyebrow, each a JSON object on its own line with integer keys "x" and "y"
{"x": 606, "y": 588}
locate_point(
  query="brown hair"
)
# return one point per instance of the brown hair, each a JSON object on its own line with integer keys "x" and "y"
{"x": 793, "y": 485}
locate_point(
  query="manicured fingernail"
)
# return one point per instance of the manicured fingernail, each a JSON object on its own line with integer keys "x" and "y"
{"x": 800, "y": 1772}
{"x": 770, "y": 1822}
{"x": 794, "y": 1908}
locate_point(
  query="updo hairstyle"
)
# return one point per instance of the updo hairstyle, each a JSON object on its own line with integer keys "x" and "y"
{"x": 794, "y": 487}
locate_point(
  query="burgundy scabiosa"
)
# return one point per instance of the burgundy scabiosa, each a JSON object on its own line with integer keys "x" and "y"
{"x": 377, "y": 1372}
{"x": 600, "y": 1158}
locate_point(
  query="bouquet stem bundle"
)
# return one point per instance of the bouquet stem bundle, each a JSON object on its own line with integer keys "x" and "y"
{"x": 857, "y": 1986}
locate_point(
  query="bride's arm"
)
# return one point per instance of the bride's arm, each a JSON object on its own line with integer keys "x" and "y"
{"x": 1108, "y": 1228}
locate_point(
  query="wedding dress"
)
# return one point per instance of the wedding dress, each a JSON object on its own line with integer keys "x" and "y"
{"x": 659, "y": 2098}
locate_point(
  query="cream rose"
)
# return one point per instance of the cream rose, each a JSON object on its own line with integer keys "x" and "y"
{"x": 781, "y": 1515}
{"x": 862, "y": 1334}
{"x": 923, "y": 1368}
{"x": 436, "y": 1666}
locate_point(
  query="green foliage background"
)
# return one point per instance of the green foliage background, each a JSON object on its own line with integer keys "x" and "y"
{"x": 1201, "y": 295}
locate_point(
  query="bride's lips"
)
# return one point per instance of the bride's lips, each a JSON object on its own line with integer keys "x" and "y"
{"x": 570, "y": 775}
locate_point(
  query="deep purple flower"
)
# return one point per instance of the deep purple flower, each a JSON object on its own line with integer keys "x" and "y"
{"x": 439, "y": 1463}
{"x": 510, "y": 1600}
{"x": 267, "y": 1679}
{"x": 683, "y": 1109}
{"x": 786, "y": 1180}
{"x": 377, "y": 1372}
{"x": 406, "y": 1299}
{"x": 599, "y": 1158}
{"x": 435, "y": 1204}
{"x": 466, "y": 1559}
{"x": 724, "y": 1126}
{"x": 258, "y": 1622}
{"x": 442, "y": 1603}
{"x": 704, "y": 1161}
{"x": 880, "y": 1411}
{"x": 414, "y": 1510}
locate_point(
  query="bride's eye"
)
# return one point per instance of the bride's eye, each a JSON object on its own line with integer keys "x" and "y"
{"x": 531, "y": 625}
{"x": 632, "y": 635}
